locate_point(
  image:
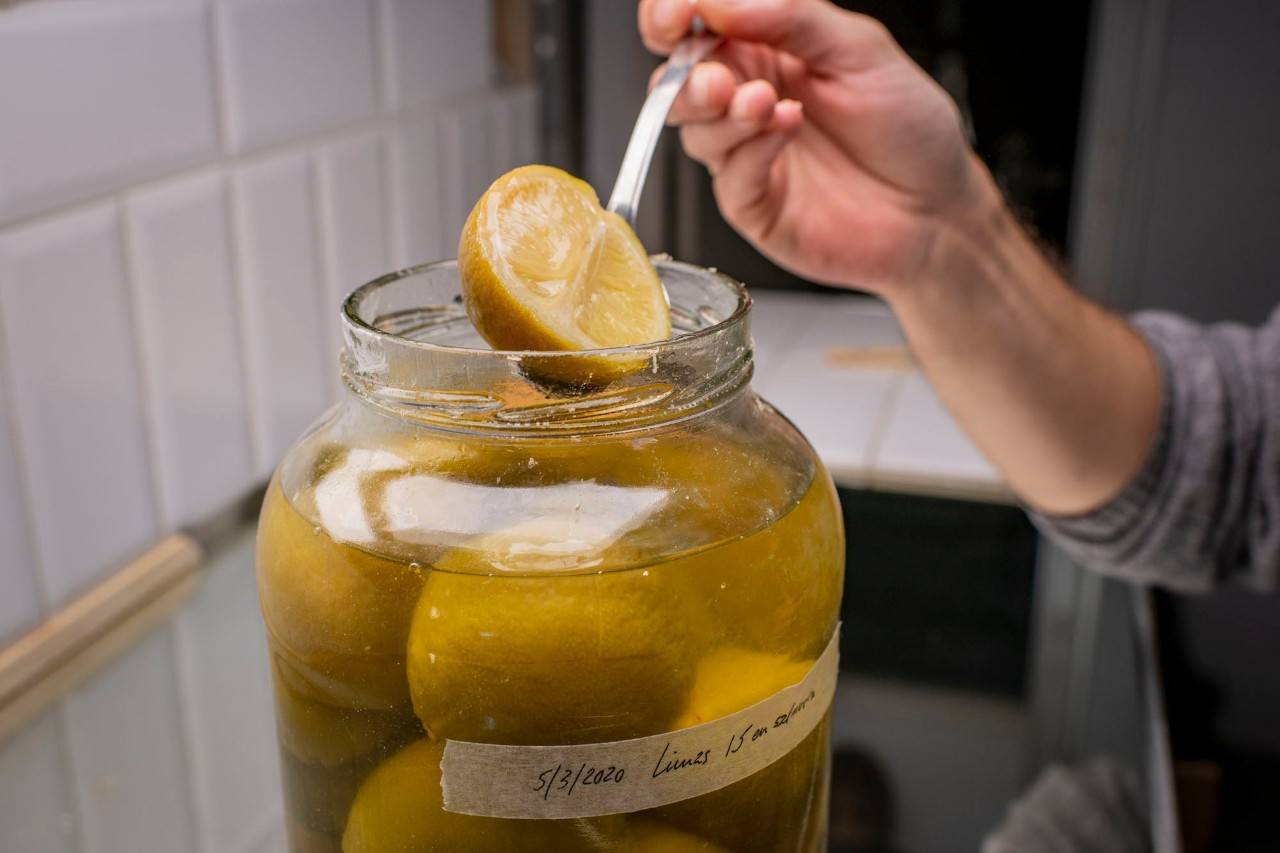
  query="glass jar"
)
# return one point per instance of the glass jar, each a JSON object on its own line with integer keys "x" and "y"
{"x": 541, "y": 550}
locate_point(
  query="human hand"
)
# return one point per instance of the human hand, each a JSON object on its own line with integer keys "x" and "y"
{"x": 831, "y": 151}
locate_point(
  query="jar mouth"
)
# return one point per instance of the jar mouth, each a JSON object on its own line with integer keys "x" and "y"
{"x": 411, "y": 350}
{"x": 354, "y": 315}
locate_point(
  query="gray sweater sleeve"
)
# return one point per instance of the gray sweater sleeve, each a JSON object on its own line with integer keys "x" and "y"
{"x": 1205, "y": 508}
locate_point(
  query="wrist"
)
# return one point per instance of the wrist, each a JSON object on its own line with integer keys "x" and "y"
{"x": 973, "y": 246}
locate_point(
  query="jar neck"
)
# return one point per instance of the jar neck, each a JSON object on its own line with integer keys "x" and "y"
{"x": 412, "y": 353}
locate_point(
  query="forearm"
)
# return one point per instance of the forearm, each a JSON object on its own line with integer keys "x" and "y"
{"x": 1062, "y": 396}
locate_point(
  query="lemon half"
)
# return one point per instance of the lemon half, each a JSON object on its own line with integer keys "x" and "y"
{"x": 545, "y": 267}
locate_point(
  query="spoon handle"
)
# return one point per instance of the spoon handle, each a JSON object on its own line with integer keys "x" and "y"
{"x": 653, "y": 117}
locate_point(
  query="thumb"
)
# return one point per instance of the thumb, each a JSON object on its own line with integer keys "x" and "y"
{"x": 825, "y": 36}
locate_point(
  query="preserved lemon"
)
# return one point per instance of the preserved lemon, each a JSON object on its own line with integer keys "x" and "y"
{"x": 341, "y": 626}
{"x": 579, "y": 658}
{"x": 545, "y": 267}
{"x": 316, "y": 733}
{"x": 399, "y": 810}
{"x": 761, "y": 812}
{"x": 769, "y": 586}
{"x": 730, "y": 679}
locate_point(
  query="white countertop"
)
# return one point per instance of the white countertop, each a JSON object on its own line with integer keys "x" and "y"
{"x": 837, "y": 366}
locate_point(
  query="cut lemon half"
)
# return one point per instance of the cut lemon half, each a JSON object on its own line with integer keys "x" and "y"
{"x": 545, "y": 267}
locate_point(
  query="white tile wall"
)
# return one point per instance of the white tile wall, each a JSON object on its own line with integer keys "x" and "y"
{"x": 283, "y": 298}
{"x": 467, "y": 166}
{"x": 97, "y": 96}
{"x": 20, "y": 604}
{"x": 131, "y": 783}
{"x": 82, "y": 441}
{"x": 180, "y": 247}
{"x": 523, "y": 105}
{"x": 353, "y": 223}
{"x": 434, "y": 49}
{"x": 226, "y": 690}
{"x": 416, "y": 190}
{"x": 186, "y": 189}
{"x": 508, "y": 146}
{"x": 294, "y": 67}
{"x": 36, "y": 812}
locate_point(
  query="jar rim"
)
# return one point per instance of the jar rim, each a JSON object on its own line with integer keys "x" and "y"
{"x": 408, "y": 352}
{"x": 356, "y": 299}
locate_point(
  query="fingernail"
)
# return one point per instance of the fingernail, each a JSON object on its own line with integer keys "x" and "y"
{"x": 790, "y": 108}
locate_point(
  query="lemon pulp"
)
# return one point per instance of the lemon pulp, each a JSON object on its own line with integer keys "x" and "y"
{"x": 545, "y": 267}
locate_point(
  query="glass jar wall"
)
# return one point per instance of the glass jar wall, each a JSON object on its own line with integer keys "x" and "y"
{"x": 542, "y": 549}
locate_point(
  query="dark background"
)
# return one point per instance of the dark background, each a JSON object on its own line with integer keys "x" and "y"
{"x": 1022, "y": 95}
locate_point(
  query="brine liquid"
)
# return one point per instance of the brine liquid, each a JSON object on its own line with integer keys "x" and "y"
{"x": 549, "y": 630}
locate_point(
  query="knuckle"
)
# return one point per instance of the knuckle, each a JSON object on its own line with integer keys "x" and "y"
{"x": 870, "y": 29}
{"x": 692, "y": 141}
{"x": 699, "y": 143}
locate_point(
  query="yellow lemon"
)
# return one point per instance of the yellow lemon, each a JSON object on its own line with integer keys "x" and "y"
{"x": 729, "y": 680}
{"x": 399, "y": 810}
{"x": 781, "y": 809}
{"x": 779, "y": 588}
{"x": 504, "y": 649}
{"x": 320, "y": 734}
{"x": 775, "y": 809}
{"x": 337, "y": 588}
{"x": 337, "y": 614}
{"x": 544, "y": 267}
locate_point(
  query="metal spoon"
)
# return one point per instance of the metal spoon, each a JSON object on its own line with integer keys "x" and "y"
{"x": 653, "y": 117}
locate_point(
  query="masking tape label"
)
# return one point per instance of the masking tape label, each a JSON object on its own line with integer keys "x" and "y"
{"x": 588, "y": 780}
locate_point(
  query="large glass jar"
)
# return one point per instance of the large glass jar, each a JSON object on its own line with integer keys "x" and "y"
{"x": 541, "y": 550}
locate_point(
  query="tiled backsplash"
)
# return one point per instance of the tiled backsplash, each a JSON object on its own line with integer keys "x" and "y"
{"x": 187, "y": 188}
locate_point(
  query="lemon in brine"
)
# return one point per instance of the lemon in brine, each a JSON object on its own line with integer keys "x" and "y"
{"x": 400, "y": 809}
{"x": 506, "y": 647}
{"x": 338, "y": 615}
{"x": 769, "y": 810}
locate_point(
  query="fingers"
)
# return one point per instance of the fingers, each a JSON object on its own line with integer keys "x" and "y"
{"x": 818, "y": 32}
{"x": 663, "y": 23}
{"x": 749, "y": 113}
{"x": 706, "y": 96}
{"x": 747, "y": 186}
